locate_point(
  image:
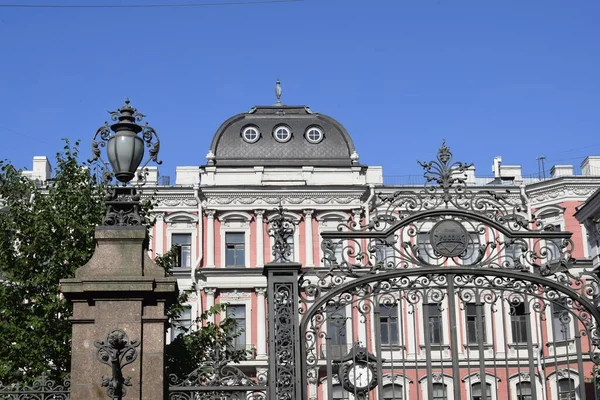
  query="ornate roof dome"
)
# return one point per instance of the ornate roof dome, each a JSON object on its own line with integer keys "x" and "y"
{"x": 282, "y": 135}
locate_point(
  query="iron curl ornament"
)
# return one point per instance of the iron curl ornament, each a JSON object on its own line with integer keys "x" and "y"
{"x": 282, "y": 229}
{"x": 124, "y": 141}
{"x": 116, "y": 351}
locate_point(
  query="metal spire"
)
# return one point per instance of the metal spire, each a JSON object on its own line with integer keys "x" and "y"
{"x": 278, "y": 92}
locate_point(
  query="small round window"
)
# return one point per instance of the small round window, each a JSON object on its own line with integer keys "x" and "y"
{"x": 282, "y": 134}
{"x": 250, "y": 134}
{"x": 314, "y": 134}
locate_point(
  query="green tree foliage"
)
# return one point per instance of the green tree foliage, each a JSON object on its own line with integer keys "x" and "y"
{"x": 45, "y": 234}
{"x": 208, "y": 344}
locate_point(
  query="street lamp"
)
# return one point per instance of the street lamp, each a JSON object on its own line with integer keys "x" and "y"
{"x": 124, "y": 141}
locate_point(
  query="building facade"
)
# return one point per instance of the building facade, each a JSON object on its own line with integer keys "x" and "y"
{"x": 218, "y": 215}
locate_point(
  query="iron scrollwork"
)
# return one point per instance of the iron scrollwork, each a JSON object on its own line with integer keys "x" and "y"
{"x": 125, "y": 152}
{"x": 42, "y": 388}
{"x": 449, "y": 246}
{"x": 282, "y": 228}
{"x": 116, "y": 351}
{"x": 217, "y": 378}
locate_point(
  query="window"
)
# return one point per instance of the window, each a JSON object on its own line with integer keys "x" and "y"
{"x": 433, "y": 323}
{"x": 393, "y": 392}
{"x": 513, "y": 252}
{"x": 439, "y": 391}
{"x": 554, "y": 245}
{"x": 182, "y": 324}
{"x": 388, "y": 324}
{"x": 282, "y": 134}
{"x": 424, "y": 246}
{"x": 336, "y": 331}
{"x": 518, "y": 323}
{"x": 237, "y": 312}
{"x": 473, "y": 334}
{"x": 183, "y": 241}
{"x": 566, "y": 389}
{"x": 250, "y": 134}
{"x": 524, "y": 391}
{"x": 235, "y": 244}
{"x": 314, "y": 134}
{"x": 384, "y": 252}
{"x": 476, "y": 392}
{"x": 561, "y": 322}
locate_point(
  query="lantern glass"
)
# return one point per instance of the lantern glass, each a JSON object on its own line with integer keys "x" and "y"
{"x": 125, "y": 151}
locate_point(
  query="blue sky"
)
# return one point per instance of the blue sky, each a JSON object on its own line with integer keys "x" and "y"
{"x": 516, "y": 78}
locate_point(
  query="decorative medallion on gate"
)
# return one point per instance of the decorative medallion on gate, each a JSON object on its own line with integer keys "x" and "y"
{"x": 449, "y": 238}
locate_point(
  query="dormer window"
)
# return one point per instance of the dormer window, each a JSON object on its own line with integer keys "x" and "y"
{"x": 314, "y": 134}
{"x": 250, "y": 134}
{"x": 282, "y": 133}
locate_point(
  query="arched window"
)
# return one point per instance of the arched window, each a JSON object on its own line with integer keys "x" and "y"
{"x": 566, "y": 389}
{"x": 393, "y": 392}
{"x": 439, "y": 391}
{"x": 524, "y": 391}
{"x": 476, "y": 393}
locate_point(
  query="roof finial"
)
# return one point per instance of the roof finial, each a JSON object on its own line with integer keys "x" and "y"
{"x": 278, "y": 92}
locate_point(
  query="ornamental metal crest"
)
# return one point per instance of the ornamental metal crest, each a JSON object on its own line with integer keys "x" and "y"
{"x": 117, "y": 351}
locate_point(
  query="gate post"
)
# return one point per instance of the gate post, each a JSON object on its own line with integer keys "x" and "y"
{"x": 284, "y": 341}
{"x": 119, "y": 300}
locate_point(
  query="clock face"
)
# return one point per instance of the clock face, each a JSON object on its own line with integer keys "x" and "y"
{"x": 360, "y": 375}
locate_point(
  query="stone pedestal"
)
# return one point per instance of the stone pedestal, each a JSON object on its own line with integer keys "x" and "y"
{"x": 120, "y": 288}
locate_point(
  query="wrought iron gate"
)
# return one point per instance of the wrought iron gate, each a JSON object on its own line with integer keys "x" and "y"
{"x": 449, "y": 293}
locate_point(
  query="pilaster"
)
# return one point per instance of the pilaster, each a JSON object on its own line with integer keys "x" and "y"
{"x": 308, "y": 233}
{"x": 210, "y": 239}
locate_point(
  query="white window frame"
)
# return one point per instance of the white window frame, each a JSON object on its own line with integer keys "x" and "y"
{"x": 566, "y": 345}
{"x": 445, "y": 344}
{"x": 489, "y": 332}
{"x": 246, "y": 129}
{"x": 235, "y": 222}
{"x": 231, "y": 298}
{"x": 318, "y": 129}
{"x": 182, "y": 222}
{"x": 555, "y": 376}
{"x": 514, "y": 380}
{"x": 348, "y": 309}
{"x": 194, "y": 314}
{"x": 475, "y": 378}
{"x": 296, "y": 218}
{"x": 552, "y": 215}
{"x": 446, "y": 380}
{"x": 532, "y": 323}
{"x": 289, "y": 131}
{"x": 401, "y": 380}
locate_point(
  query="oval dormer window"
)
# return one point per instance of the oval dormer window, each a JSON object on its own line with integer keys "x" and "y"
{"x": 282, "y": 133}
{"x": 314, "y": 134}
{"x": 250, "y": 134}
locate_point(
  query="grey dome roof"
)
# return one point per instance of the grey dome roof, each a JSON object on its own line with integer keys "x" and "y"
{"x": 230, "y": 149}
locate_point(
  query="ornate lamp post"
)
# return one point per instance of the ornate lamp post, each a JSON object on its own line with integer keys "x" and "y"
{"x": 125, "y": 151}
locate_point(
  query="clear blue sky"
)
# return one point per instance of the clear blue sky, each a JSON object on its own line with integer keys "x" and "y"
{"x": 516, "y": 78}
